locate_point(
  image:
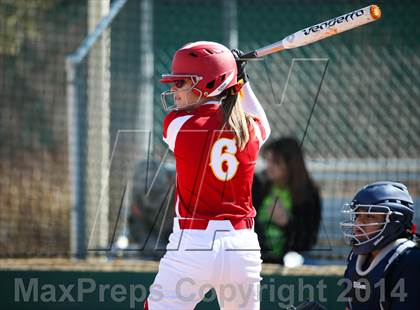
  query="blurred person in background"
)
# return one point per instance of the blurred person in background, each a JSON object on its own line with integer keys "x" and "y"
{"x": 151, "y": 215}
{"x": 287, "y": 202}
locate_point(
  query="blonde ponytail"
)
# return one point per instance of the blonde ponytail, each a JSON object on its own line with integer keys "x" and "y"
{"x": 236, "y": 119}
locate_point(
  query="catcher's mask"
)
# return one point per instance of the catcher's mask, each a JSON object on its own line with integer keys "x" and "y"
{"x": 379, "y": 214}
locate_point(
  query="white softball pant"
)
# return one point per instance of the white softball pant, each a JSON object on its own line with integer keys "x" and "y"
{"x": 219, "y": 257}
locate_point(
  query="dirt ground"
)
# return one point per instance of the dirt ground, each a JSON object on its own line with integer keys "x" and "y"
{"x": 106, "y": 265}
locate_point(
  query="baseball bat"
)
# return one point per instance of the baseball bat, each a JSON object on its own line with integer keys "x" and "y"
{"x": 319, "y": 31}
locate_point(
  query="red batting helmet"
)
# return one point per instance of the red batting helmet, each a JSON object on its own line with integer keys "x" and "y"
{"x": 211, "y": 64}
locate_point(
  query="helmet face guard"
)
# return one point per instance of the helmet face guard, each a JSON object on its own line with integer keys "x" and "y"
{"x": 168, "y": 97}
{"x": 364, "y": 235}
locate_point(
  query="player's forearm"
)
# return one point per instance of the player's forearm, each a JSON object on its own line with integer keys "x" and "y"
{"x": 252, "y": 105}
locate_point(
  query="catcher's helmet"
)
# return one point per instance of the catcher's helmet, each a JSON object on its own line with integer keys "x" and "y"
{"x": 391, "y": 199}
{"x": 210, "y": 66}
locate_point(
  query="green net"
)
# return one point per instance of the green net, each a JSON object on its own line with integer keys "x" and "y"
{"x": 352, "y": 99}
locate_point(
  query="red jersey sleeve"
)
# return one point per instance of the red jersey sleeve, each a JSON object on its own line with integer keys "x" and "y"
{"x": 260, "y": 131}
{"x": 166, "y": 121}
{"x": 172, "y": 124}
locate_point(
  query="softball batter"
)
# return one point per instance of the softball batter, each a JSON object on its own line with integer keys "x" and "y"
{"x": 215, "y": 129}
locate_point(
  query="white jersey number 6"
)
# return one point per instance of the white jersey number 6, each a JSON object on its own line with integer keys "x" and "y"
{"x": 223, "y": 151}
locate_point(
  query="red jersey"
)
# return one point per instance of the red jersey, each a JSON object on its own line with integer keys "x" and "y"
{"x": 214, "y": 177}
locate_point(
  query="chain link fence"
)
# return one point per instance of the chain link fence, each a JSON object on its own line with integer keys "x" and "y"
{"x": 352, "y": 99}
